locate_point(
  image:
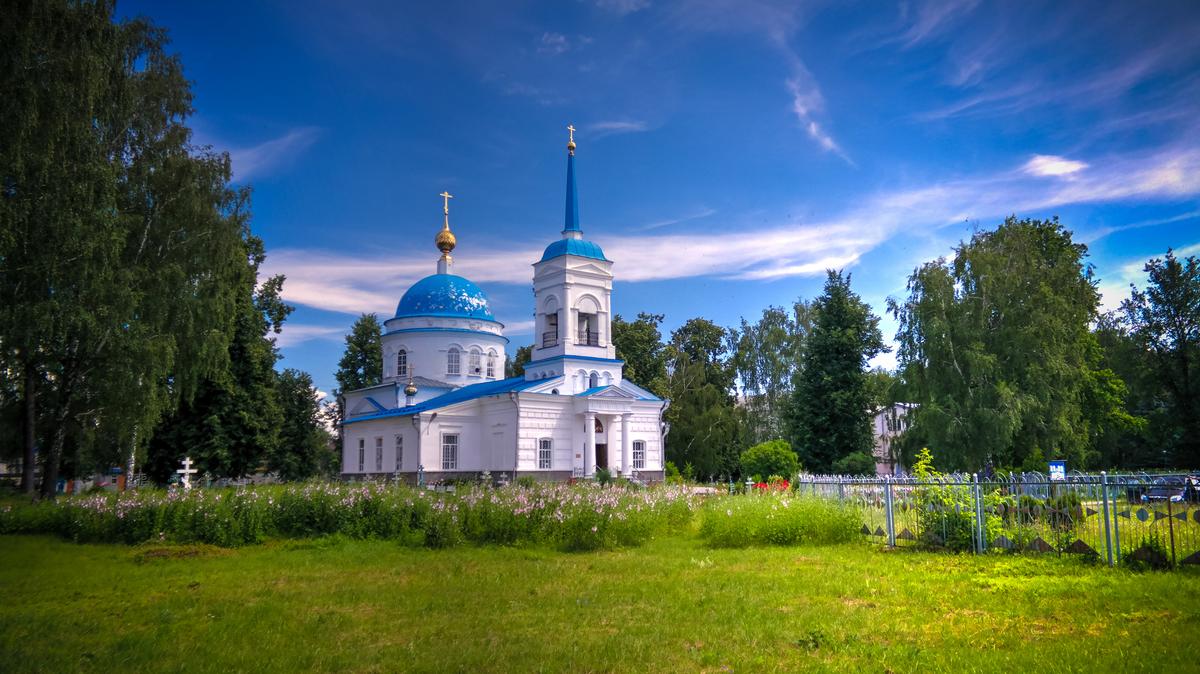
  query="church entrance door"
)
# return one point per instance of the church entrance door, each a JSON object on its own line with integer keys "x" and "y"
{"x": 601, "y": 455}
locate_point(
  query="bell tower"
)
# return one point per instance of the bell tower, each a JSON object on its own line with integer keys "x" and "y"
{"x": 572, "y": 290}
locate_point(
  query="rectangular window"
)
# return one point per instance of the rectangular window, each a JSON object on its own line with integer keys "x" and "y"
{"x": 399, "y": 452}
{"x": 545, "y": 453}
{"x": 378, "y": 455}
{"x": 452, "y": 362}
{"x": 491, "y": 371}
{"x": 402, "y": 363}
{"x": 639, "y": 454}
{"x": 362, "y": 455}
{"x": 475, "y": 366}
{"x": 450, "y": 451}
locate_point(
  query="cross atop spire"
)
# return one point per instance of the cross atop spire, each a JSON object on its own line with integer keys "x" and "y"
{"x": 571, "y": 140}
{"x": 445, "y": 239}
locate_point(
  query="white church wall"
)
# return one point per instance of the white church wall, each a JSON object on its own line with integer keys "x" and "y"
{"x": 427, "y": 354}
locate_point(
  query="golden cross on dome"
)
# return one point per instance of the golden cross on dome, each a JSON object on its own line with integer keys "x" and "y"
{"x": 446, "y": 197}
{"x": 571, "y": 129}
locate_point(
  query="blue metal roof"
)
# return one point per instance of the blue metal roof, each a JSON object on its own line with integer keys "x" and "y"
{"x": 444, "y": 295}
{"x": 459, "y": 395}
{"x": 573, "y": 247}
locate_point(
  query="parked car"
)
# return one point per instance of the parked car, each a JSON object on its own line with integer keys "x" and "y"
{"x": 1170, "y": 489}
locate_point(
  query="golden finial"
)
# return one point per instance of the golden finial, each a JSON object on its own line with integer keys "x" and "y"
{"x": 411, "y": 389}
{"x": 445, "y": 239}
{"x": 571, "y": 140}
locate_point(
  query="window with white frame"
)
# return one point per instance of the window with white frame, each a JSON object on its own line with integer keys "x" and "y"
{"x": 491, "y": 365}
{"x": 453, "y": 361}
{"x": 450, "y": 451}
{"x": 475, "y": 366}
{"x": 639, "y": 454}
{"x": 402, "y": 363}
{"x": 545, "y": 453}
{"x": 362, "y": 455}
{"x": 399, "y": 451}
{"x": 378, "y": 455}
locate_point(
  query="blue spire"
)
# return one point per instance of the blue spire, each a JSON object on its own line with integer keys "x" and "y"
{"x": 571, "y": 223}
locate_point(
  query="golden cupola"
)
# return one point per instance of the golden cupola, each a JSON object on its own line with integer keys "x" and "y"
{"x": 445, "y": 239}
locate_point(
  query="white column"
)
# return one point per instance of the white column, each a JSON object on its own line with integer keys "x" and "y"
{"x": 589, "y": 451}
{"x": 626, "y": 445}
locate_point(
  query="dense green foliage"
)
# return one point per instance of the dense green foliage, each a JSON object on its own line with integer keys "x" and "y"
{"x": 639, "y": 344}
{"x": 770, "y": 458}
{"x": 304, "y": 447}
{"x": 996, "y": 349}
{"x": 362, "y": 361}
{"x": 128, "y": 273}
{"x": 705, "y": 423}
{"x": 831, "y": 408}
{"x": 1162, "y": 323}
{"x": 767, "y": 356}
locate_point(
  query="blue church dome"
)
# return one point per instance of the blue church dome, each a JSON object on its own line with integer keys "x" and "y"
{"x": 444, "y": 295}
{"x": 573, "y": 247}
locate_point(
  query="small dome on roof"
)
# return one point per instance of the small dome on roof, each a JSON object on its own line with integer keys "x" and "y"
{"x": 445, "y": 295}
{"x": 573, "y": 247}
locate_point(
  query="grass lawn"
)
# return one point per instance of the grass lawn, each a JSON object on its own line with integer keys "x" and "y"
{"x": 341, "y": 605}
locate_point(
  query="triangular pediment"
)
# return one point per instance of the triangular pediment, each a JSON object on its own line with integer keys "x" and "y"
{"x": 613, "y": 392}
{"x": 367, "y": 405}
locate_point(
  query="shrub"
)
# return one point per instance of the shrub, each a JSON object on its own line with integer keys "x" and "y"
{"x": 671, "y": 473}
{"x": 774, "y": 457}
{"x": 777, "y": 519}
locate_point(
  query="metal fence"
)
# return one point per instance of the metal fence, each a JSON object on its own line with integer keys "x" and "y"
{"x": 1132, "y": 519}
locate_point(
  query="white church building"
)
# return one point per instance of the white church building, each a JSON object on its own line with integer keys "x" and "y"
{"x": 445, "y": 409}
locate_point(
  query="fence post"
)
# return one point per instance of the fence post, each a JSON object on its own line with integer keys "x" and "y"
{"x": 980, "y": 542}
{"x": 1104, "y": 500}
{"x": 889, "y": 514}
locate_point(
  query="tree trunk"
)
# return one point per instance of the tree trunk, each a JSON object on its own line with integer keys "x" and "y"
{"x": 50, "y": 471}
{"x": 30, "y": 459}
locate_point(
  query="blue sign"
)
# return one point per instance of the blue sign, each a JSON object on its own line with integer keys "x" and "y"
{"x": 1058, "y": 471}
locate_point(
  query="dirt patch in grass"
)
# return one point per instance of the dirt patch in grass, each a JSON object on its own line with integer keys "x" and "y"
{"x": 157, "y": 553}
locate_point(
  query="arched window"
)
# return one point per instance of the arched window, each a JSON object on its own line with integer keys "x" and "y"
{"x": 401, "y": 363}
{"x": 474, "y": 368}
{"x": 453, "y": 361}
{"x": 593, "y": 380}
{"x": 491, "y": 365}
{"x": 639, "y": 454}
{"x": 545, "y": 453}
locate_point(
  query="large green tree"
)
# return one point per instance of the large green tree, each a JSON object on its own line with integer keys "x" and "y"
{"x": 362, "y": 361}
{"x": 766, "y": 357}
{"x": 233, "y": 423}
{"x": 705, "y": 423}
{"x": 639, "y": 344}
{"x": 1164, "y": 323}
{"x": 304, "y": 445}
{"x": 995, "y": 347}
{"x": 119, "y": 240}
{"x": 831, "y": 411}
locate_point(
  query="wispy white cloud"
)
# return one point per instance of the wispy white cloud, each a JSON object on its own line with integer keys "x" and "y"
{"x": 1051, "y": 165}
{"x": 1115, "y": 287}
{"x": 1101, "y": 232}
{"x": 257, "y": 160}
{"x": 659, "y": 224}
{"x": 518, "y": 327}
{"x": 612, "y": 127}
{"x": 553, "y": 43}
{"x": 298, "y": 333}
{"x": 933, "y": 18}
{"x": 357, "y": 283}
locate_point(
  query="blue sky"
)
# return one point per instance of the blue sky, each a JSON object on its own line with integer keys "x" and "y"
{"x": 729, "y": 151}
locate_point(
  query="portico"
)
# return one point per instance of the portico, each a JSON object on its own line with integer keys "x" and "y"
{"x": 603, "y": 413}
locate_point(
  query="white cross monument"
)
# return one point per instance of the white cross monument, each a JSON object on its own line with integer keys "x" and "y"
{"x": 187, "y": 472}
